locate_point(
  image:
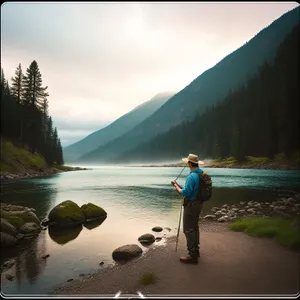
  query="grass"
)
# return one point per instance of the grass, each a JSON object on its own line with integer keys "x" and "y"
{"x": 147, "y": 278}
{"x": 284, "y": 231}
{"x": 15, "y": 159}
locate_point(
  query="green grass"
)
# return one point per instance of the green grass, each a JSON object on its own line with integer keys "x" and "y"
{"x": 147, "y": 278}
{"x": 253, "y": 161}
{"x": 284, "y": 231}
{"x": 15, "y": 159}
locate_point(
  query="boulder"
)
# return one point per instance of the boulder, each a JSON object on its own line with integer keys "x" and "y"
{"x": 19, "y": 217}
{"x": 66, "y": 214}
{"x": 7, "y": 240}
{"x": 157, "y": 229}
{"x": 8, "y": 228}
{"x": 92, "y": 211}
{"x": 30, "y": 228}
{"x": 127, "y": 252}
{"x": 146, "y": 238}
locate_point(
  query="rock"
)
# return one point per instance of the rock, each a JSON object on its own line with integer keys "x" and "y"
{"x": 242, "y": 211}
{"x": 168, "y": 228}
{"x": 267, "y": 203}
{"x": 218, "y": 213}
{"x": 242, "y": 202}
{"x": 69, "y": 280}
{"x": 251, "y": 210}
{"x": 92, "y": 211}
{"x": 19, "y": 236}
{"x": 257, "y": 205}
{"x": 8, "y": 228}
{"x": 8, "y": 264}
{"x": 9, "y": 277}
{"x": 297, "y": 197}
{"x": 210, "y": 217}
{"x": 146, "y": 238}
{"x": 101, "y": 263}
{"x": 234, "y": 209}
{"x": 45, "y": 256}
{"x": 127, "y": 252}
{"x": 214, "y": 209}
{"x": 7, "y": 240}
{"x": 82, "y": 275}
{"x": 66, "y": 214}
{"x": 157, "y": 229}
{"x": 225, "y": 205}
{"x": 30, "y": 228}
{"x": 45, "y": 222}
{"x": 157, "y": 239}
{"x": 223, "y": 219}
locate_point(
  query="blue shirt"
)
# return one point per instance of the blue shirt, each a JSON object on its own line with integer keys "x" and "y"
{"x": 191, "y": 187}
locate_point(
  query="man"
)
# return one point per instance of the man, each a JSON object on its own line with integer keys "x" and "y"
{"x": 192, "y": 208}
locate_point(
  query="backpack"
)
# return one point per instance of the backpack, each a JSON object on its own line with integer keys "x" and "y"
{"x": 205, "y": 188}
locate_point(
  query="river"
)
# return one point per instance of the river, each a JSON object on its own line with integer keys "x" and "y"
{"x": 135, "y": 199}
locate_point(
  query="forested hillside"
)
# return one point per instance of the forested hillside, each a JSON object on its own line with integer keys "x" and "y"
{"x": 261, "y": 118}
{"x": 25, "y": 119}
{"x": 206, "y": 90}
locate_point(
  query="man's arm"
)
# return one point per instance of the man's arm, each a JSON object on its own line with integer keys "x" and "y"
{"x": 177, "y": 186}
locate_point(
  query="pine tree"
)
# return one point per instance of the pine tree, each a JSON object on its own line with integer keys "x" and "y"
{"x": 34, "y": 92}
{"x": 17, "y": 83}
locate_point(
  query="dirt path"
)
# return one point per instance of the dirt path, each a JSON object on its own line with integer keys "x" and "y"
{"x": 231, "y": 263}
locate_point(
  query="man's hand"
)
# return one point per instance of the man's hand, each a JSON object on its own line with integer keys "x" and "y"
{"x": 173, "y": 182}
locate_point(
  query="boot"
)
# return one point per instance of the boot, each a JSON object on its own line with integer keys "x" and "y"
{"x": 189, "y": 259}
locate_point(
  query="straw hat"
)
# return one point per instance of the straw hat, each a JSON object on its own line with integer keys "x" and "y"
{"x": 193, "y": 158}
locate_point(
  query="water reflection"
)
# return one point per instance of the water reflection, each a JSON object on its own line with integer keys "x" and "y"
{"x": 62, "y": 236}
{"x": 94, "y": 224}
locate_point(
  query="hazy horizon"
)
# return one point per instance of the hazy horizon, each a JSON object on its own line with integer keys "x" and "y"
{"x": 101, "y": 60}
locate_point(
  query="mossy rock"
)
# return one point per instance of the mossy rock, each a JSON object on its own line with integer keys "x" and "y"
{"x": 8, "y": 227}
{"x": 66, "y": 214}
{"x": 19, "y": 218}
{"x": 92, "y": 211}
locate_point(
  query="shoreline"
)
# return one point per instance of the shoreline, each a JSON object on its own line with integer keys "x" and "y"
{"x": 266, "y": 166}
{"x": 221, "y": 250}
{"x": 7, "y": 176}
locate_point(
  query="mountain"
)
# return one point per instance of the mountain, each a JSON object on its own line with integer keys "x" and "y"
{"x": 260, "y": 119}
{"x": 115, "y": 129}
{"x": 207, "y": 89}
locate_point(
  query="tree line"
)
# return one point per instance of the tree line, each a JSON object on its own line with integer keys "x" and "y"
{"x": 259, "y": 118}
{"x": 25, "y": 117}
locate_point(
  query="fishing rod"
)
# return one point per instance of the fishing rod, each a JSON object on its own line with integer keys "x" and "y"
{"x": 180, "y": 212}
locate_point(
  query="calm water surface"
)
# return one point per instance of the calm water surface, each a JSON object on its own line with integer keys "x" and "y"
{"x": 135, "y": 198}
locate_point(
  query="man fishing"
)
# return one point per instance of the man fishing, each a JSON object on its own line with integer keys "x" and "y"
{"x": 192, "y": 208}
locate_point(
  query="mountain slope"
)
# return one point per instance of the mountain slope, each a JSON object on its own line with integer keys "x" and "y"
{"x": 260, "y": 119}
{"x": 209, "y": 88}
{"x": 115, "y": 129}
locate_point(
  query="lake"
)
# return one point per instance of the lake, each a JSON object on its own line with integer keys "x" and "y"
{"x": 135, "y": 198}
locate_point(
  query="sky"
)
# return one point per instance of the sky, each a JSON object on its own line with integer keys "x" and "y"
{"x": 102, "y": 59}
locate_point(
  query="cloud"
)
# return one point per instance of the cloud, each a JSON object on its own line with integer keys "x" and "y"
{"x": 100, "y": 60}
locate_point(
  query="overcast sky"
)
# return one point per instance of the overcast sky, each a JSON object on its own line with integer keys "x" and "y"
{"x": 100, "y": 60}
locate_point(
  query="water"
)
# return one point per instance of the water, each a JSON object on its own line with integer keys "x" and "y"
{"x": 135, "y": 198}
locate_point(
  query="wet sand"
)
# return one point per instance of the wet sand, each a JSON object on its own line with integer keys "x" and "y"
{"x": 230, "y": 263}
